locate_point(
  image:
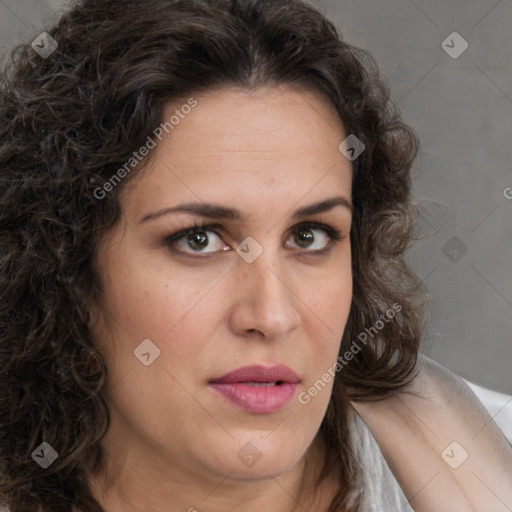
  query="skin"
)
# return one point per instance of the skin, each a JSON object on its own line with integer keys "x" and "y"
{"x": 172, "y": 444}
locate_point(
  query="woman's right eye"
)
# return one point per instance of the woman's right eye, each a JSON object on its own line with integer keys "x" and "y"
{"x": 197, "y": 240}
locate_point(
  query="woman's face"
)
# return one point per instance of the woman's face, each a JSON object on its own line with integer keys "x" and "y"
{"x": 264, "y": 287}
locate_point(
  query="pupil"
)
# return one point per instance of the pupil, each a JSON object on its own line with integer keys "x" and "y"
{"x": 198, "y": 240}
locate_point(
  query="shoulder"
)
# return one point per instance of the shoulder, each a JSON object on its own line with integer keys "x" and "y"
{"x": 381, "y": 489}
{"x": 439, "y": 439}
{"x": 498, "y": 405}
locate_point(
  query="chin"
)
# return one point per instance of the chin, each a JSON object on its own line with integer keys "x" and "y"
{"x": 261, "y": 456}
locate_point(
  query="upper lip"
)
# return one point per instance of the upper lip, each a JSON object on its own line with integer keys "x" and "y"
{"x": 259, "y": 373}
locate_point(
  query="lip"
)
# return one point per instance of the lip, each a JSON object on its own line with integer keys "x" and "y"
{"x": 235, "y": 387}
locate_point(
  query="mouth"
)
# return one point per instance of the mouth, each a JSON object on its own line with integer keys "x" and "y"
{"x": 257, "y": 389}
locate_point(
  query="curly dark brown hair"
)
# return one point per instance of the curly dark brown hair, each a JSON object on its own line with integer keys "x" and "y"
{"x": 70, "y": 121}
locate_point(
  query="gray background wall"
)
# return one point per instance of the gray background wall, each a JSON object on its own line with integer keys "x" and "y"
{"x": 461, "y": 109}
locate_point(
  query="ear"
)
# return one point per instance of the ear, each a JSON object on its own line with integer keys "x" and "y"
{"x": 97, "y": 323}
{"x": 93, "y": 315}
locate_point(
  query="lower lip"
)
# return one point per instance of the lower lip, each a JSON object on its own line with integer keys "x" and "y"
{"x": 258, "y": 400}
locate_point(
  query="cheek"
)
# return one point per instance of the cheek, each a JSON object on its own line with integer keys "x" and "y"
{"x": 330, "y": 307}
{"x": 147, "y": 300}
{"x": 331, "y": 295}
{"x": 334, "y": 297}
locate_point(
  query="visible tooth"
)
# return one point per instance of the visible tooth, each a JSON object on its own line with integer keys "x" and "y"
{"x": 261, "y": 384}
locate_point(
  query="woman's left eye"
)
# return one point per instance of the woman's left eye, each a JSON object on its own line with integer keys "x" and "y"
{"x": 313, "y": 237}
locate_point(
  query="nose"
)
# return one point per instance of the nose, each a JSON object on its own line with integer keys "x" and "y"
{"x": 264, "y": 300}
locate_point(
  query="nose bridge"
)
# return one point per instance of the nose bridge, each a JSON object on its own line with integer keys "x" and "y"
{"x": 267, "y": 295}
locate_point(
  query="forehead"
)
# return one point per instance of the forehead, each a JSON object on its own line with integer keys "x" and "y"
{"x": 259, "y": 120}
{"x": 233, "y": 140}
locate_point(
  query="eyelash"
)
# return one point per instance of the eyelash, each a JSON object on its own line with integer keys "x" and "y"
{"x": 333, "y": 236}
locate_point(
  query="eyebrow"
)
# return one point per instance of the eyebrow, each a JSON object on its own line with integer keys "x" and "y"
{"x": 222, "y": 212}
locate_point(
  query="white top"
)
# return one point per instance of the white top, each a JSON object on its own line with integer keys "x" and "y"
{"x": 382, "y": 491}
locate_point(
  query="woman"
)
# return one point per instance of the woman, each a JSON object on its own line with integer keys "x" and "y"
{"x": 205, "y": 208}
